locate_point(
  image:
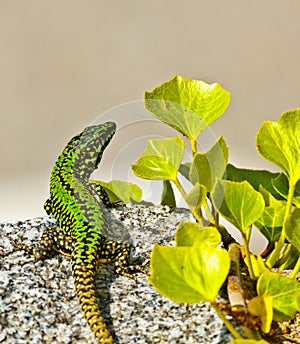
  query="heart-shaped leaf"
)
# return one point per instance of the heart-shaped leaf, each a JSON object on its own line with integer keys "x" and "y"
{"x": 188, "y": 233}
{"x": 279, "y": 142}
{"x": 207, "y": 167}
{"x": 239, "y": 203}
{"x": 118, "y": 190}
{"x": 281, "y": 185}
{"x": 270, "y": 200}
{"x": 285, "y": 292}
{"x": 196, "y": 197}
{"x": 188, "y": 106}
{"x": 262, "y": 307}
{"x": 271, "y": 221}
{"x": 160, "y": 160}
{"x": 256, "y": 178}
{"x": 189, "y": 274}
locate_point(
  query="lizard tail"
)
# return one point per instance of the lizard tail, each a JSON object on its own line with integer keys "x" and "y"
{"x": 84, "y": 279}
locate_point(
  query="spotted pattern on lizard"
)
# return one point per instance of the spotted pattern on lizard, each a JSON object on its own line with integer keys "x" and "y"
{"x": 80, "y": 217}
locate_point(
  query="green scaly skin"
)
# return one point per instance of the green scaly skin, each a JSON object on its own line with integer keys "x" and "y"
{"x": 80, "y": 218}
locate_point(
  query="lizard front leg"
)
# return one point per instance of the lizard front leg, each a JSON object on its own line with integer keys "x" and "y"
{"x": 51, "y": 243}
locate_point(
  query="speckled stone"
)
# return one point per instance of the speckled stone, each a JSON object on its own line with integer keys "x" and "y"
{"x": 38, "y": 303}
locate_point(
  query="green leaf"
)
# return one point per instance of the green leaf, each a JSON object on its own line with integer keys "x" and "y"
{"x": 188, "y": 233}
{"x": 239, "y": 203}
{"x": 262, "y": 307}
{"x": 284, "y": 291}
{"x": 281, "y": 185}
{"x": 196, "y": 197}
{"x": 270, "y": 200}
{"x": 256, "y": 178}
{"x": 207, "y": 167}
{"x": 189, "y": 274}
{"x": 184, "y": 169}
{"x": 167, "y": 195}
{"x": 188, "y": 106}
{"x": 118, "y": 190}
{"x": 292, "y": 228}
{"x": 271, "y": 221}
{"x": 160, "y": 160}
{"x": 279, "y": 142}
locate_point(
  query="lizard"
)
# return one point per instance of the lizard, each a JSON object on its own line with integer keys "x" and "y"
{"x": 80, "y": 216}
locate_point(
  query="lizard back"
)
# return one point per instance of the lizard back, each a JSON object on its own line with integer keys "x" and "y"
{"x": 79, "y": 214}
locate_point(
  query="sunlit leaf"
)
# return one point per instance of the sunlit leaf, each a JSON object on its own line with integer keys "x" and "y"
{"x": 271, "y": 221}
{"x": 187, "y": 105}
{"x": 270, "y": 200}
{"x": 281, "y": 185}
{"x": 207, "y": 167}
{"x": 160, "y": 160}
{"x": 255, "y": 178}
{"x": 196, "y": 197}
{"x": 262, "y": 307}
{"x": 239, "y": 203}
{"x": 189, "y": 274}
{"x": 188, "y": 233}
{"x": 279, "y": 142}
{"x": 118, "y": 190}
{"x": 285, "y": 292}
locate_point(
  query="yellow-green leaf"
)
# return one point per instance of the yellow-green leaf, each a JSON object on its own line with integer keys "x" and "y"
{"x": 207, "y": 167}
{"x": 285, "y": 292}
{"x": 187, "y": 105}
{"x": 189, "y": 274}
{"x": 279, "y": 142}
{"x": 239, "y": 203}
{"x": 188, "y": 233}
{"x": 196, "y": 197}
{"x": 119, "y": 190}
{"x": 160, "y": 160}
{"x": 262, "y": 307}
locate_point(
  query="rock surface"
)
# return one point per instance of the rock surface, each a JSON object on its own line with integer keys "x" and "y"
{"x": 38, "y": 303}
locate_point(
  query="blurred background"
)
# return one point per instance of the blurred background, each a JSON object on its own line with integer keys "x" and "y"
{"x": 66, "y": 64}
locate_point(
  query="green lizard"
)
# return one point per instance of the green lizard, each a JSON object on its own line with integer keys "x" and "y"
{"x": 80, "y": 218}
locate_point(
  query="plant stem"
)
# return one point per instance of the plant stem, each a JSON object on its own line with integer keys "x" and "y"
{"x": 217, "y": 220}
{"x": 196, "y": 215}
{"x": 251, "y": 334}
{"x": 226, "y": 322}
{"x": 248, "y": 254}
{"x": 285, "y": 255}
{"x": 193, "y": 146}
{"x": 234, "y": 290}
{"x": 274, "y": 256}
{"x": 180, "y": 188}
{"x": 296, "y": 269}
